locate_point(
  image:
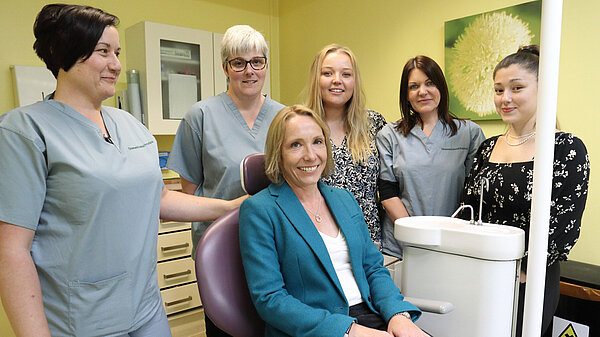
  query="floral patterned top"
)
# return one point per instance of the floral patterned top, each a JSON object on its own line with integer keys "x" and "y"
{"x": 360, "y": 178}
{"x": 508, "y": 200}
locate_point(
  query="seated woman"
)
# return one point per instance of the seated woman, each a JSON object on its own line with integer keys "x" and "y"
{"x": 507, "y": 162}
{"x": 311, "y": 266}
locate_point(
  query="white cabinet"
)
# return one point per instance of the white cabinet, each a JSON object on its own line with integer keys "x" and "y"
{"x": 176, "y": 70}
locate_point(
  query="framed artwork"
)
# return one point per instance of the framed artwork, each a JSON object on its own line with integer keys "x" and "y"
{"x": 473, "y": 47}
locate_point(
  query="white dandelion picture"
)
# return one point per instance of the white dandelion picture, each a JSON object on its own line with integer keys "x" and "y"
{"x": 473, "y": 47}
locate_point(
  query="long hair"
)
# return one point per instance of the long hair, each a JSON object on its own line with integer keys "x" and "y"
{"x": 356, "y": 121}
{"x": 410, "y": 118}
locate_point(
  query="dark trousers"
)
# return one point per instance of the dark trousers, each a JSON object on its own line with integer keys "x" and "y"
{"x": 366, "y": 317}
{"x": 551, "y": 296}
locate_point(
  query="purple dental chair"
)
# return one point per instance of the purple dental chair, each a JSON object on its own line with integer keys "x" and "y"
{"x": 219, "y": 270}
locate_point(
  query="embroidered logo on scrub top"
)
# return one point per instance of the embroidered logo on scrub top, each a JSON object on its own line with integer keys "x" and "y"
{"x": 140, "y": 146}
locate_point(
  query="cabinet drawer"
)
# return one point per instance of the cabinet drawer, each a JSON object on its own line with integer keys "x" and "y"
{"x": 181, "y": 298}
{"x": 188, "y": 324}
{"x": 174, "y": 245}
{"x": 176, "y": 272}
{"x": 170, "y": 226}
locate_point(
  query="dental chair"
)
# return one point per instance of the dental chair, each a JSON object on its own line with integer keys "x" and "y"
{"x": 220, "y": 273}
{"x": 219, "y": 270}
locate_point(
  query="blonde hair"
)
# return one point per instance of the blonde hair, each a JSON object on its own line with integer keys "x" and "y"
{"x": 276, "y": 135}
{"x": 356, "y": 121}
{"x": 241, "y": 39}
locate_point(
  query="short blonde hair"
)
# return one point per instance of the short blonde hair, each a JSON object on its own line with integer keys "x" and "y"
{"x": 356, "y": 122}
{"x": 241, "y": 39}
{"x": 276, "y": 135}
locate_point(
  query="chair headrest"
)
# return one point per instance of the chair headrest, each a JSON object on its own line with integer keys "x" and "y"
{"x": 252, "y": 169}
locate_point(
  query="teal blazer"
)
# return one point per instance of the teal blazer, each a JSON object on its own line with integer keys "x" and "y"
{"x": 290, "y": 275}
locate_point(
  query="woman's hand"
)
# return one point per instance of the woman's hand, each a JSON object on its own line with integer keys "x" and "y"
{"x": 400, "y": 326}
{"x": 358, "y": 330}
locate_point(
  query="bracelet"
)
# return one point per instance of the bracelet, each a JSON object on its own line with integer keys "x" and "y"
{"x": 403, "y": 313}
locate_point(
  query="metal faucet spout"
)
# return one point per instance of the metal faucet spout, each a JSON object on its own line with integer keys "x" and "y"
{"x": 472, "y": 221}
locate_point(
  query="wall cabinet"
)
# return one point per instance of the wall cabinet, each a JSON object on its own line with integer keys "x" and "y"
{"x": 176, "y": 70}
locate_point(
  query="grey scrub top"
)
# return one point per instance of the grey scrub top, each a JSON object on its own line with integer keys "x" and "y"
{"x": 94, "y": 207}
{"x": 430, "y": 171}
{"x": 211, "y": 142}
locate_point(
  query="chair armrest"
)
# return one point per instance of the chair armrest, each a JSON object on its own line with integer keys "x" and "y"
{"x": 432, "y": 306}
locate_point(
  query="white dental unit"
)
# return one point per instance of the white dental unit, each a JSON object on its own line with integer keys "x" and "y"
{"x": 475, "y": 268}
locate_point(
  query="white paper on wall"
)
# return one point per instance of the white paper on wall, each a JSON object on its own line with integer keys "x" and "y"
{"x": 31, "y": 84}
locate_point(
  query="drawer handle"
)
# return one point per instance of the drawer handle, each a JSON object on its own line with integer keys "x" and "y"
{"x": 175, "y": 247}
{"x": 180, "y": 301}
{"x": 179, "y": 274}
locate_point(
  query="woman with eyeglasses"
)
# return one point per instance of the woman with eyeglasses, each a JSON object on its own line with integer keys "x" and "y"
{"x": 218, "y": 132}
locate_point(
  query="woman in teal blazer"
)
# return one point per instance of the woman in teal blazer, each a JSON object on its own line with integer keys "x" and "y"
{"x": 292, "y": 279}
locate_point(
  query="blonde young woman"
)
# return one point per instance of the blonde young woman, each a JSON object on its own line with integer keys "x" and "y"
{"x": 334, "y": 91}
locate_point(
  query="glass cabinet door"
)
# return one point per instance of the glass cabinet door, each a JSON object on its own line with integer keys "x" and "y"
{"x": 180, "y": 77}
{"x": 176, "y": 71}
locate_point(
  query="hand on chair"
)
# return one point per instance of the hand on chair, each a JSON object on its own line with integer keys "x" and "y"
{"x": 400, "y": 326}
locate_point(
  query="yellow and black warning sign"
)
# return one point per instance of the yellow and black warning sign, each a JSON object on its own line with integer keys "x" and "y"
{"x": 568, "y": 332}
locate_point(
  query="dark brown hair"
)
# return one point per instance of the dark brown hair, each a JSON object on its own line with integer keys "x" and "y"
{"x": 528, "y": 57}
{"x": 65, "y": 34}
{"x": 410, "y": 118}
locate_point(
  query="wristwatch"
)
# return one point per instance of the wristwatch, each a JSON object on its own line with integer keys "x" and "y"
{"x": 405, "y": 314}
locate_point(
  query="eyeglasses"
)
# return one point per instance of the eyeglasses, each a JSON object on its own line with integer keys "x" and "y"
{"x": 239, "y": 64}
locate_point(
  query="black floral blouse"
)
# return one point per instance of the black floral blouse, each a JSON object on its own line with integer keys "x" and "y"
{"x": 360, "y": 178}
{"x": 508, "y": 200}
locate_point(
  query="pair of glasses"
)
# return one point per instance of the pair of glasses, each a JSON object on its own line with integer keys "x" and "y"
{"x": 239, "y": 64}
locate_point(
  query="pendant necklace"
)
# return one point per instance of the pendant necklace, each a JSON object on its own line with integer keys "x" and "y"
{"x": 318, "y": 218}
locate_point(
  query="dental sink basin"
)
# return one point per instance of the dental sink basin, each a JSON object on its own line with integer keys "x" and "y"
{"x": 475, "y": 268}
{"x": 457, "y": 236}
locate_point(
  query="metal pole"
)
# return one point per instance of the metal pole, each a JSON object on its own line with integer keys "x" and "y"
{"x": 542, "y": 172}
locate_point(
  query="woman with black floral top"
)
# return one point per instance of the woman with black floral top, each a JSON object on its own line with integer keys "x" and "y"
{"x": 507, "y": 162}
{"x": 334, "y": 91}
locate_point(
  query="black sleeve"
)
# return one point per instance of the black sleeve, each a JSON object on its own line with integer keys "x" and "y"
{"x": 387, "y": 189}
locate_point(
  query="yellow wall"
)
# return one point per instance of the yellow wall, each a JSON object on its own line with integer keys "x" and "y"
{"x": 384, "y": 34}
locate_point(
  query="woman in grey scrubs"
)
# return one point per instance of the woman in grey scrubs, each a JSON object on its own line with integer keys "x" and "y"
{"x": 426, "y": 155}
{"x": 82, "y": 193}
{"x": 219, "y": 132}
